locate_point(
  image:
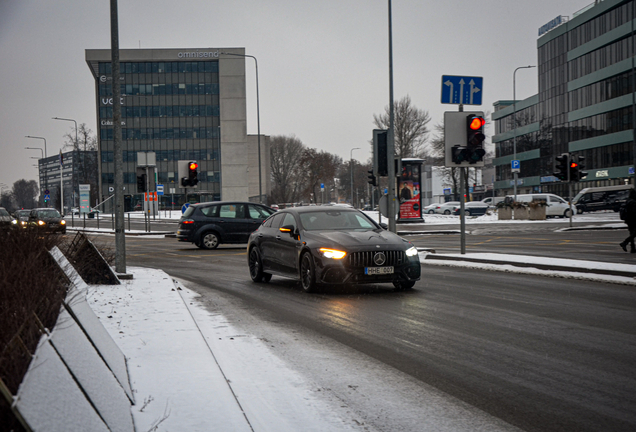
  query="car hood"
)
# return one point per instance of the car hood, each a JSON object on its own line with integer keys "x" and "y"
{"x": 353, "y": 240}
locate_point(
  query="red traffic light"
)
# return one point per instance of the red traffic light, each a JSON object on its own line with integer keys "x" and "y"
{"x": 573, "y": 165}
{"x": 476, "y": 123}
{"x": 193, "y": 165}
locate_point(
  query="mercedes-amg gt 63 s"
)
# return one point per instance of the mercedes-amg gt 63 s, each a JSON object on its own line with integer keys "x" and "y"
{"x": 321, "y": 245}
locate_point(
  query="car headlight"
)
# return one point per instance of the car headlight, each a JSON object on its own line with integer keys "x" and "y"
{"x": 63, "y": 222}
{"x": 41, "y": 223}
{"x": 332, "y": 253}
{"x": 412, "y": 251}
{"x": 14, "y": 222}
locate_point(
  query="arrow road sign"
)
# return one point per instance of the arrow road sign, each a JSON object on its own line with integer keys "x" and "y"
{"x": 462, "y": 90}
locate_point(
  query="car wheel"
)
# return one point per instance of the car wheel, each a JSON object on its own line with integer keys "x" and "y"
{"x": 209, "y": 240}
{"x": 402, "y": 285}
{"x": 256, "y": 267}
{"x": 446, "y": 212}
{"x": 307, "y": 273}
{"x": 566, "y": 214}
{"x": 431, "y": 212}
{"x": 466, "y": 212}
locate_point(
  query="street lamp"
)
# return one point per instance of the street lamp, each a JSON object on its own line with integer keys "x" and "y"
{"x": 351, "y": 161}
{"x": 76, "y": 143}
{"x": 514, "y": 123}
{"x": 39, "y": 169}
{"x": 34, "y": 137}
{"x": 258, "y": 122}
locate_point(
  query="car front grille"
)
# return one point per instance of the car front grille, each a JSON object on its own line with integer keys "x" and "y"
{"x": 365, "y": 259}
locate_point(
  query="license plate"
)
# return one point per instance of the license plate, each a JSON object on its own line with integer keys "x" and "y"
{"x": 378, "y": 270}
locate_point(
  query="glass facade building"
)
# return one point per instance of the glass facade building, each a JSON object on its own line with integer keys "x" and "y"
{"x": 584, "y": 105}
{"x": 181, "y": 104}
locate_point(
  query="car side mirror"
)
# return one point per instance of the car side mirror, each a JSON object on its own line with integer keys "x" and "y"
{"x": 289, "y": 229}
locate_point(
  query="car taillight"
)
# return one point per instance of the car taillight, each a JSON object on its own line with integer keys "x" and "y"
{"x": 187, "y": 221}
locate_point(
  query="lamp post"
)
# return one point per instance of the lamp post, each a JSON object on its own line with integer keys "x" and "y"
{"x": 34, "y": 137}
{"x": 514, "y": 123}
{"x": 76, "y": 143}
{"x": 42, "y": 153}
{"x": 351, "y": 162}
{"x": 258, "y": 123}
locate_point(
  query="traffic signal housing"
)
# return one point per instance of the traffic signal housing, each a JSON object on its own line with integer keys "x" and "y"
{"x": 372, "y": 179}
{"x": 562, "y": 167}
{"x": 141, "y": 180}
{"x": 475, "y": 138}
{"x": 464, "y": 139}
{"x": 193, "y": 174}
{"x": 576, "y": 168}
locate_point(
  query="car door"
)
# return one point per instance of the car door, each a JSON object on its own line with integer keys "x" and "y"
{"x": 556, "y": 206}
{"x": 267, "y": 242}
{"x": 257, "y": 214}
{"x": 234, "y": 222}
{"x": 284, "y": 248}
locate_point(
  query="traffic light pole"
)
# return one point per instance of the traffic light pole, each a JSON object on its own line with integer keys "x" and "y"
{"x": 462, "y": 219}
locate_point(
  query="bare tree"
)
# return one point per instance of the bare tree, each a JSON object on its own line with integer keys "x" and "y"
{"x": 411, "y": 130}
{"x": 86, "y": 139}
{"x": 286, "y": 158}
{"x": 25, "y": 193}
{"x": 319, "y": 167}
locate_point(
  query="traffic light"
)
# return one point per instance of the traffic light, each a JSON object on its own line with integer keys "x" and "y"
{"x": 562, "y": 166}
{"x": 460, "y": 154}
{"x": 372, "y": 180}
{"x": 475, "y": 138}
{"x": 141, "y": 182}
{"x": 193, "y": 173}
{"x": 576, "y": 168}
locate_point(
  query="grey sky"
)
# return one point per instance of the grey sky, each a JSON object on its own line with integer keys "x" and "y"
{"x": 323, "y": 66}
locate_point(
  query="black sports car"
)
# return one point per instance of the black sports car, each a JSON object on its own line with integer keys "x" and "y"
{"x": 330, "y": 245}
{"x": 47, "y": 219}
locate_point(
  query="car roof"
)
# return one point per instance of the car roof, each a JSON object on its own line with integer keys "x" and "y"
{"x": 209, "y": 203}
{"x": 308, "y": 209}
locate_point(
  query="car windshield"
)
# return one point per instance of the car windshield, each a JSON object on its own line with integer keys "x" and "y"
{"x": 335, "y": 220}
{"x": 48, "y": 213}
{"x": 3, "y": 212}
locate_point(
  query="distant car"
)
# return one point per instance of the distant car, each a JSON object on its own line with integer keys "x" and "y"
{"x": 430, "y": 209}
{"x": 21, "y": 218}
{"x": 47, "y": 220}
{"x": 446, "y": 208}
{"x": 330, "y": 245}
{"x": 275, "y": 207}
{"x": 473, "y": 208}
{"x": 5, "y": 219}
{"x": 207, "y": 225}
{"x": 75, "y": 210}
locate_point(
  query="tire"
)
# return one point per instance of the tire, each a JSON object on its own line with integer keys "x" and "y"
{"x": 209, "y": 240}
{"x": 431, "y": 212}
{"x": 402, "y": 285}
{"x": 446, "y": 212}
{"x": 255, "y": 266}
{"x": 466, "y": 212}
{"x": 566, "y": 214}
{"x": 307, "y": 273}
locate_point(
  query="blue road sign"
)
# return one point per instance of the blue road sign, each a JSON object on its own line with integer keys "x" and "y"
{"x": 47, "y": 197}
{"x": 322, "y": 187}
{"x": 462, "y": 90}
{"x": 159, "y": 189}
{"x": 184, "y": 207}
{"x": 515, "y": 165}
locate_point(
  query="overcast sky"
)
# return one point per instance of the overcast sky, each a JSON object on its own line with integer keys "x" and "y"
{"x": 323, "y": 65}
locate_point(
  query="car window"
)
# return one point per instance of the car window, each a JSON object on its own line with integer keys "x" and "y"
{"x": 555, "y": 199}
{"x": 189, "y": 211}
{"x": 232, "y": 211}
{"x": 289, "y": 220}
{"x": 48, "y": 213}
{"x": 336, "y": 220}
{"x": 258, "y": 212}
{"x": 209, "y": 211}
{"x": 3, "y": 212}
{"x": 277, "y": 220}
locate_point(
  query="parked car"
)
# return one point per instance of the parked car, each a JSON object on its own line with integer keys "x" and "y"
{"x": 207, "y": 225}
{"x": 430, "y": 209}
{"x": 5, "y": 219}
{"x": 21, "y": 218}
{"x": 555, "y": 205}
{"x": 601, "y": 198}
{"x": 330, "y": 245}
{"x": 47, "y": 220}
{"x": 472, "y": 208}
{"x": 446, "y": 208}
{"x": 493, "y": 201}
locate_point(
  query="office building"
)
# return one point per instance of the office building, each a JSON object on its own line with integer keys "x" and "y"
{"x": 181, "y": 104}
{"x": 585, "y": 104}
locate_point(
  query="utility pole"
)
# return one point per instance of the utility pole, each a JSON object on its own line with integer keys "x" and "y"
{"x": 120, "y": 238}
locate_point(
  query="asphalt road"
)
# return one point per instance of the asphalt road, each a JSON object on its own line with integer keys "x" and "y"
{"x": 541, "y": 354}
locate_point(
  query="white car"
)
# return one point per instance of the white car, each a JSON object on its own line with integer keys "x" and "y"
{"x": 446, "y": 208}
{"x": 430, "y": 209}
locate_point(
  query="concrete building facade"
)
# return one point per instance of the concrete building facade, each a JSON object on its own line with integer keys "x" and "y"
{"x": 181, "y": 104}
{"x": 585, "y": 104}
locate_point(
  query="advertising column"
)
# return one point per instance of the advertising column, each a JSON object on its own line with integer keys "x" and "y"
{"x": 409, "y": 192}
